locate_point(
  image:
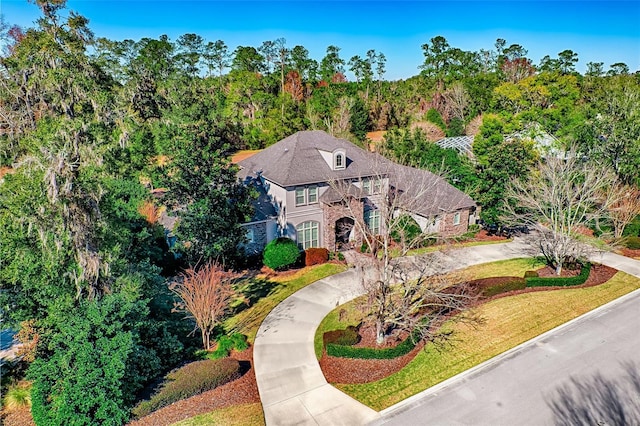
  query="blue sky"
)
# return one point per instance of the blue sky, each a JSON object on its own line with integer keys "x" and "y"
{"x": 598, "y": 31}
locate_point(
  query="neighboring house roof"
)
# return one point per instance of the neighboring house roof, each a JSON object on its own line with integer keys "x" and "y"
{"x": 296, "y": 160}
{"x": 462, "y": 144}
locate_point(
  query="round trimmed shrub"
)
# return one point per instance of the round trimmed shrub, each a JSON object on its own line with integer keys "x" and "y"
{"x": 633, "y": 243}
{"x": 406, "y": 229}
{"x": 280, "y": 253}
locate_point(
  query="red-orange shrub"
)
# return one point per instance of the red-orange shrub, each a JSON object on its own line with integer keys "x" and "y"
{"x": 315, "y": 256}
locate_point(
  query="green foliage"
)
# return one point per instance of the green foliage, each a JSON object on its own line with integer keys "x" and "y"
{"x": 406, "y": 230}
{"x": 225, "y": 344}
{"x": 359, "y": 119}
{"x": 455, "y": 128}
{"x": 434, "y": 116}
{"x": 344, "y": 351}
{"x": 632, "y": 229}
{"x": 561, "y": 281}
{"x": 413, "y": 149}
{"x": 192, "y": 379}
{"x": 632, "y": 243}
{"x": 17, "y": 396}
{"x": 281, "y": 253}
{"x": 89, "y": 374}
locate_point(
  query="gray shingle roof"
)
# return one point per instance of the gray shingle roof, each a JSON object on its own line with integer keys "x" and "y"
{"x": 296, "y": 160}
{"x": 426, "y": 193}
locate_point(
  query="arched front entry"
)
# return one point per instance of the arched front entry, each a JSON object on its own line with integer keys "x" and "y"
{"x": 344, "y": 232}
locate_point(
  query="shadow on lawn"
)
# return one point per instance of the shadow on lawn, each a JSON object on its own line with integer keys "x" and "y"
{"x": 597, "y": 400}
{"x": 252, "y": 290}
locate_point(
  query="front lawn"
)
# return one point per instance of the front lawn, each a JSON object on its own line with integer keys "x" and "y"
{"x": 237, "y": 415}
{"x": 248, "y": 321}
{"x": 510, "y": 321}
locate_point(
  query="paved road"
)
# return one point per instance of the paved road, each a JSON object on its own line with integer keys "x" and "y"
{"x": 587, "y": 372}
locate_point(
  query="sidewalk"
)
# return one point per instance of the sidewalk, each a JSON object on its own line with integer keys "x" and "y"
{"x": 292, "y": 387}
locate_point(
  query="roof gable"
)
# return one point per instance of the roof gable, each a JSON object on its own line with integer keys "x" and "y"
{"x": 307, "y": 157}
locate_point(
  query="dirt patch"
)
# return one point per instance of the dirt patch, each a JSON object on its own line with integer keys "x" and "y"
{"x": 20, "y": 417}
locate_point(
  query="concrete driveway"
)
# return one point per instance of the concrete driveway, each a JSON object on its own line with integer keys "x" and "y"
{"x": 294, "y": 391}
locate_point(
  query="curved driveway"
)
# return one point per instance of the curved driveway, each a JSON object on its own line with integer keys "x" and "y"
{"x": 292, "y": 387}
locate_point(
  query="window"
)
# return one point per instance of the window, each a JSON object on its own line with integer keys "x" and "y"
{"x": 308, "y": 195}
{"x": 372, "y": 219}
{"x": 339, "y": 161}
{"x": 456, "y": 218}
{"x": 312, "y": 192}
{"x": 249, "y": 236}
{"x": 377, "y": 186}
{"x": 301, "y": 198}
{"x": 308, "y": 235}
{"x": 366, "y": 186}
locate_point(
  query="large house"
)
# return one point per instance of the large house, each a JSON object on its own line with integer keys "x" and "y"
{"x": 312, "y": 186}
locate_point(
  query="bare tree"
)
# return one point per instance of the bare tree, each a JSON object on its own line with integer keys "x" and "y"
{"x": 562, "y": 196}
{"x": 411, "y": 295}
{"x": 457, "y": 101}
{"x": 624, "y": 208}
{"x": 204, "y": 295}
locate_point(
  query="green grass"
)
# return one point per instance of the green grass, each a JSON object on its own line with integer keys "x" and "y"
{"x": 431, "y": 249}
{"x": 503, "y": 268}
{"x": 510, "y": 321}
{"x": 248, "y": 321}
{"x": 236, "y": 415}
{"x": 353, "y": 316}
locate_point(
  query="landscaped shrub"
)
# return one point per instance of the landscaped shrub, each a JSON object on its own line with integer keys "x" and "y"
{"x": 434, "y": 116}
{"x": 348, "y": 351}
{"x": 632, "y": 229}
{"x": 315, "y": 256}
{"x": 17, "y": 396}
{"x": 489, "y": 287}
{"x": 633, "y": 243}
{"x": 346, "y": 337}
{"x": 561, "y": 281}
{"x": 225, "y": 344}
{"x": 192, "y": 379}
{"x": 531, "y": 274}
{"x": 281, "y": 253}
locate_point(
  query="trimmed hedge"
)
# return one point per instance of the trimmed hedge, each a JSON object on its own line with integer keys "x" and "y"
{"x": 316, "y": 256}
{"x": 561, "y": 281}
{"x": 489, "y": 287}
{"x": 633, "y": 243}
{"x": 531, "y": 274}
{"x": 343, "y": 351}
{"x": 190, "y": 380}
{"x": 281, "y": 253}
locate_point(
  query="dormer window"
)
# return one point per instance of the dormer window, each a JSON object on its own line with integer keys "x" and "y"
{"x": 339, "y": 160}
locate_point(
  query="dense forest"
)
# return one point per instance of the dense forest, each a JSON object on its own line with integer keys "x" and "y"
{"x": 91, "y": 128}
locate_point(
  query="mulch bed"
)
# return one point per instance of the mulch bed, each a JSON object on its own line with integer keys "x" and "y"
{"x": 352, "y": 371}
{"x": 241, "y": 391}
{"x": 634, "y": 254}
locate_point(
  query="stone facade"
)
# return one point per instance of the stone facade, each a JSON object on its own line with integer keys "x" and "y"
{"x": 332, "y": 213}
